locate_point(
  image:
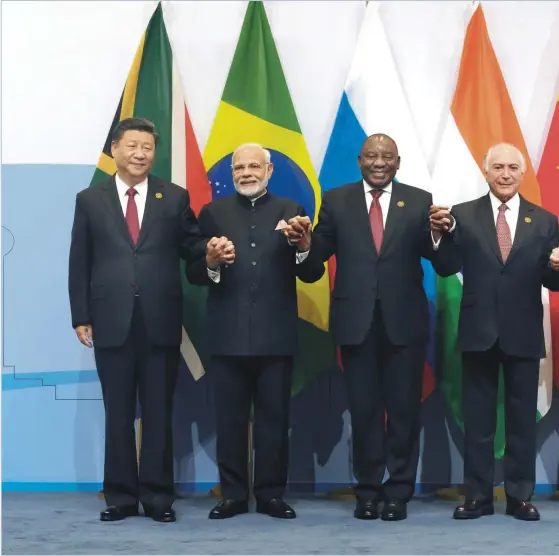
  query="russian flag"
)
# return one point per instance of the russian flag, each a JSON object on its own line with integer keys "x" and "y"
{"x": 374, "y": 101}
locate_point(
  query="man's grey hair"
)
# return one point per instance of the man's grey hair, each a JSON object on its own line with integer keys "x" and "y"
{"x": 267, "y": 155}
{"x": 508, "y": 146}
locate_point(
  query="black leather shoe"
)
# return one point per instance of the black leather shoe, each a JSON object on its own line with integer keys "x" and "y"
{"x": 366, "y": 509}
{"x": 394, "y": 510}
{"x": 473, "y": 509}
{"x": 523, "y": 510}
{"x": 165, "y": 515}
{"x": 228, "y": 508}
{"x": 276, "y": 507}
{"x": 118, "y": 513}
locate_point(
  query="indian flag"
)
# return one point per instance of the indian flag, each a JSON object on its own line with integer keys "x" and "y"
{"x": 256, "y": 107}
{"x": 153, "y": 90}
{"x": 481, "y": 115}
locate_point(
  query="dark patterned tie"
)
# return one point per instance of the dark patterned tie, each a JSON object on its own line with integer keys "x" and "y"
{"x": 132, "y": 216}
{"x": 503, "y": 233}
{"x": 375, "y": 218}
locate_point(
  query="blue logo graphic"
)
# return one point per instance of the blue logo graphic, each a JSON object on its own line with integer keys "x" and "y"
{"x": 288, "y": 180}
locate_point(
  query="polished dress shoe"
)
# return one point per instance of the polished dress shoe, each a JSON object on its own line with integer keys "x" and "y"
{"x": 118, "y": 513}
{"x": 366, "y": 509}
{"x": 164, "y": 515}
{"x": 275, "y": 507}
{"x": 523, "y": 510}
{"x": 394, "y": 510}
{"x": 228, "y": 508}
{"x": 473, "y": 509}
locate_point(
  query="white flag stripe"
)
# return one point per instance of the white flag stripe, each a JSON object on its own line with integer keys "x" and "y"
{"x": 376, "y": 95}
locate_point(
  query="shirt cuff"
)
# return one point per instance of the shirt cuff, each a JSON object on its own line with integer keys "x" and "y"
{"x": 300, "y": 256}
{"x": 437, "y": 243}
{"x": 214, "y": 275}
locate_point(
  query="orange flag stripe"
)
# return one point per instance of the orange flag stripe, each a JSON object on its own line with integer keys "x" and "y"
{"x": 482, "y": 107}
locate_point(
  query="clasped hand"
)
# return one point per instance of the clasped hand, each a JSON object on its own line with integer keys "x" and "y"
{"x": 554, "y": 259}
{"x": 441, "y": 220}
{"x": 298, "y": 232}
{"x": 219, "y": 250}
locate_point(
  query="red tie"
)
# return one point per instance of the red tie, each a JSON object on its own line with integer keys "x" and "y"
{"x": 503, "y": 233}
{"x": 375, "y": 218}
{"x": 132, "y": 216}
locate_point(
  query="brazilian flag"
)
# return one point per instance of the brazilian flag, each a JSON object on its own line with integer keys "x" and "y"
{"x": 256, "y": 107}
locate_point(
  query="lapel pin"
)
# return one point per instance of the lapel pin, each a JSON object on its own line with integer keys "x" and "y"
{"x": 527, "y": 220}
{"x": 159, "y": 195}
{"x": 400, "y": 203}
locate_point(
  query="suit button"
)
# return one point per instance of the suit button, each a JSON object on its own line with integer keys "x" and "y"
{"x": 253, "y": 226}
{"x": 253, "y": 263}
{"x": 253, "y": 244}
{"x": 135, "y": 255}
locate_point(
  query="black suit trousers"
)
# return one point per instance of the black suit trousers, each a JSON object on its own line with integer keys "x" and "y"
{"x": 383, "y": 383}
{"x": 265, "y": 384}
{"x": 480, "y": 380}
{"x": 138, "y": 367}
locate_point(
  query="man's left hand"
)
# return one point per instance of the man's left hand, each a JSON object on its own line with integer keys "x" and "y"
{"x": 298, "y": 232}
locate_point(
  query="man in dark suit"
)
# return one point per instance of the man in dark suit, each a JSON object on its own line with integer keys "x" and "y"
{"x": 128, "y": 237}
{"x": 505, "y": 248}
{"x": 252, "y": 322}
{"x": 379, "y": 230}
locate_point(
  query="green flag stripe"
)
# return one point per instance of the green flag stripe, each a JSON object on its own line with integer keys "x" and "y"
{"x": 154, "y": 90}
{"x": 256, "y": 81}
{"x": 449, "y": 295}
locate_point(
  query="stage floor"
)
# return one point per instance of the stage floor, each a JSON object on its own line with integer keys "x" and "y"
{"x": 47, "y": 523}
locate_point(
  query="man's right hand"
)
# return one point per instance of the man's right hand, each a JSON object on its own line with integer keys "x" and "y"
{"x": 219, "y": 251}
{"x": 441, "y": 221}
{"x": 85, "y": 334}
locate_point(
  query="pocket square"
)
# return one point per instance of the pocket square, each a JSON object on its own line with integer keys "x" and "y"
{"x": 281, "y": 225}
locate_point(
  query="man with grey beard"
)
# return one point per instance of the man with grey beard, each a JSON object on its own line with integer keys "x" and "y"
{"x": 251, "y": 269}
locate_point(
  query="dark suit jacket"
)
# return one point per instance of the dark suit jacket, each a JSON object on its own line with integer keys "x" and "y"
{"x": 395, "y": 276}
{"x": 106, "y": 270}
{"x": 501, "y": 301}
{"x": 253, "y": 309}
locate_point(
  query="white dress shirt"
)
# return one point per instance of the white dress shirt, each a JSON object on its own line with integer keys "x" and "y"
{"x": 140, "y": 197}
{"x": 384, "y": 199}
{"x": 511, "y": 215}
{"x": 300, "y": 256}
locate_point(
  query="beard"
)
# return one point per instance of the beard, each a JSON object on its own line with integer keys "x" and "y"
{"x": 252, "y": 190}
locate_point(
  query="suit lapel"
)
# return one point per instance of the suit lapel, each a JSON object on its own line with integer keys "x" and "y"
{"x": 487, "y": 224}
{"x": 154, "y": 202}
{"x": 111, "y": 200}
{"x": 395, "y": 215}
{"x": 523, "y": 226}
{"x": 358, "y": 212}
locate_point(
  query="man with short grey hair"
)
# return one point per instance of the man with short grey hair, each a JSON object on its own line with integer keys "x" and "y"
{"x": 251, "y": 270}
{"x": 507, "y": 249}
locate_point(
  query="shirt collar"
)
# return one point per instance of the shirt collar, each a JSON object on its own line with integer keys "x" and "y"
{"x": 513, "y": 203}
{"x": 123, "y": 188}
{"x": 387, "y": 189}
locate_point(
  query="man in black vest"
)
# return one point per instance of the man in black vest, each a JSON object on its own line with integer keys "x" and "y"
{"x": 378, "y": 228}
{"x": 506, "y": 249}
{"x": 128, "y": 237}
{"x": 251, "y": 270}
